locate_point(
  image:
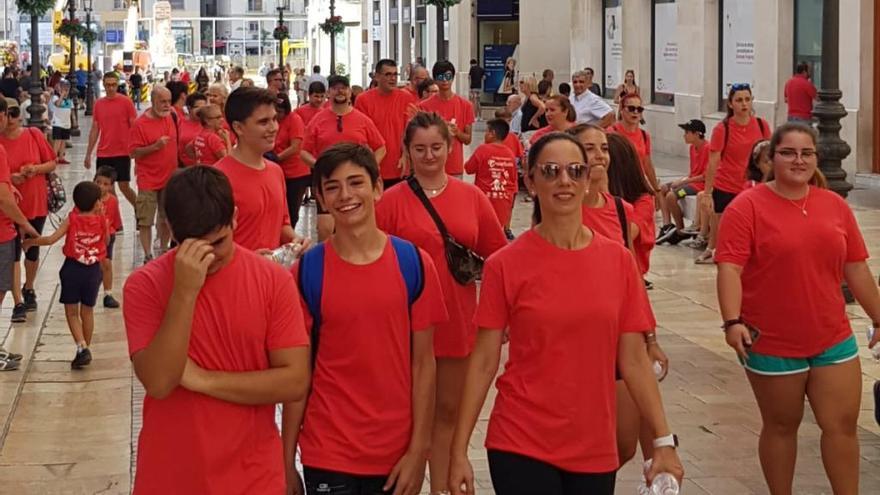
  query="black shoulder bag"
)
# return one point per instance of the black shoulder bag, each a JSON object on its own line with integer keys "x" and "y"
{"x": 464, "y": 264}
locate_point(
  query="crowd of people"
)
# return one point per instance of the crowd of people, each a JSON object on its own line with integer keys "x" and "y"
{"x": 382, "y": 339}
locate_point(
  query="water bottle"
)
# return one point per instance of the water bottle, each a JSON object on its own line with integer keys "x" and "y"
{"x": 286, "y": 255}
{"x": 664, "y": 484}
{"x": 876, "y": 350}
{"x": 658, "y": 369}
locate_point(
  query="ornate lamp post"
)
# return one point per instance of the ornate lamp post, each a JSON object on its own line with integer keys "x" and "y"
{"x": 281, "y": 30}
{"x": 333, "y": 39}
{"x": 89, "y": 37}
{"x": 71, "y": 75}
{"x": 35, "y": 9}
{"x": 332, "y": 26}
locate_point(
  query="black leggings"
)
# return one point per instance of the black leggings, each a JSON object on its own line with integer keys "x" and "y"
{"x": 336, "y": 483}
{"x": 514, "y": 474}
{"x": 296, "y": 189}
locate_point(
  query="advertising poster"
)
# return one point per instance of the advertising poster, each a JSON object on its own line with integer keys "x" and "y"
{"x": 494, "y": 60}
{"x": 738, "y": 50}
{"x": 665, "y": 47}
{"x": 613, "y": 33}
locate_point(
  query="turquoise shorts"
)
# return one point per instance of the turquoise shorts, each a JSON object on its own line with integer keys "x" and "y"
{"x": 763, "y": 364}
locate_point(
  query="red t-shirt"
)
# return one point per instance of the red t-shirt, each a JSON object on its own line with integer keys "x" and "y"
{"x": 643, "y": 217}
{"x": 470, "y": 219}
{"x": 735, "y": 159}
{"x": 193, "y": 443}
{"x": 154, "y": 170}
{"x": 112, "y": 213}
{"x": 604, "y": 221}
{"x": 207, "y": 146}
{"x": 291, "y": 128}
{"x": 460, "y": 111}
{"x": 307, "y": 112}
{"x": 558, "y": 383}
{"x": 640, "y": 139}
{"x": 540, "y": 133}
{"x": 792, "y": 267}
{"x": 699, "y": 164}
{"x": 188, "y": 131}
{"x": 86, "y": 239}
{"x": 800, "y": 93}
{"x": 7, "y": 226}
{"x": 113, "y": 116}
{"x": 495, "y": 169}
{"x": 261, "y": 199}
{"x": 389, "y": 113}
{"x": 323, "y": 131}
{"x": 370, "y": 434}
{"x": 30, "y": 148}
{"x": 514, "y": 144}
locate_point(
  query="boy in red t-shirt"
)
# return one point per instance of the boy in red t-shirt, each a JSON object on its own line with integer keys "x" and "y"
{"x": 217, "y": 340}
{"x": 379, "y": 443}
{"x": 105, "y": 177}
{"x": 495, "y": 168}
{"x": 693, "y": 184}
{"x": 85, "y": 247}
{"x": 455, "y": 110}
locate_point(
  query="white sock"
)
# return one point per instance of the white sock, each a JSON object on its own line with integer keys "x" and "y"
{"x": 108, "y": 293}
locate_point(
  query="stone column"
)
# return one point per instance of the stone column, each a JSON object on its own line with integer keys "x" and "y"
{"x": 545, "y": 38}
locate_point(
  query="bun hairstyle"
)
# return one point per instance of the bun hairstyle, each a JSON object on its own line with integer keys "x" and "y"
{"x": 818, "y": 179}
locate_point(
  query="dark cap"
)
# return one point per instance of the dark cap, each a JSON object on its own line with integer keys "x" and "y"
{"x": 694, "y": 125}
{"x": 337, "y": 79}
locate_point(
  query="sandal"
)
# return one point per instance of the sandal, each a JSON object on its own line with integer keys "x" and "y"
{"x": 707, "y": 257}
{"x": 9, "y": 365}
{"x": 9, "y": 356}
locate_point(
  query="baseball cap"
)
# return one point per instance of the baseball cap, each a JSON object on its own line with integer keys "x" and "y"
{"x": 694, "y": 125}
{"x": 337, "y": 79}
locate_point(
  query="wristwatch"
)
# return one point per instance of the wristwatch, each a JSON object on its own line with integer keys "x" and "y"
{"x": 729, "y": 323}
{"x": 670, "y": 440}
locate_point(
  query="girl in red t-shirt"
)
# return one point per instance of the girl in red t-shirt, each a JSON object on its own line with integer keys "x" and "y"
{"x": 542, "y": 288}
{"x": 784, "y": 248}
{"x": 469, "y": 218}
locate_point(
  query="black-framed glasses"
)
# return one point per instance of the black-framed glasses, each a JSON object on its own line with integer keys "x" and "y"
{"x": 339, "y": 123}
{"x": 14, "y": 112}
{"x": 552, "y": 171}
{"x": 634, "y": 109}
{"x": 741, "y": 87}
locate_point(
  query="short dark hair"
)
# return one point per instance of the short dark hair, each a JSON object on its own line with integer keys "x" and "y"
{"x": 802, "y": 68}
{"x": 473, "y": 61}
{"x": 441, "y": 67}
{"x": 316, "y": 69}
{"x": 544, "y": 87}
{"x": 177, "y": 89}
{"x": 238, "y": 70}
{"x": 197, "y": 201}
{"x": 106, "y": 171}
{"x": 85, "y": 195}
{"x": 499, "y": 127}
{"x": 272, "y": 73}
{"x": 282, "y": 104}
{"x": 565, "y": 88}
{"x": 590, "y": 70}
{"x": 547, "y": 72}
{"x": 244, "y": 101}
{"x": 385, "y": 62}
{"x": 335, "y": 156}
{"x": 193, "y": 98}
{"x": 317, "y": 87}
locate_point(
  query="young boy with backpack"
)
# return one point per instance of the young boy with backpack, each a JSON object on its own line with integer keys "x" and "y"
{"x": 495, "y": 168}
{"x": 105, "y": 178}
{"x": 380, "y": 440}
{"x": 85, "y": 247}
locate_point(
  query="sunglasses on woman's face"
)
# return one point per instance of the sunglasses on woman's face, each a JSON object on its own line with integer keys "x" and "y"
{"x": 552, "y": 171}
{"x": 14, "y": 112}
{"x": 634, "y": 109}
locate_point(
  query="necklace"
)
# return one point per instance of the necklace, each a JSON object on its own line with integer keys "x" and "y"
{"x": 802, "y": 207}
{"x": 435, "y": 192}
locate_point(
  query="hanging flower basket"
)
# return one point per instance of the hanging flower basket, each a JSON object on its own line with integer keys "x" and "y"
{"x": 280, "y": 32}
{"x": 70, "y": 28}
{"x": 88, "y": 35}
{"x": 35, "y": 7}
{"x": 443, "y": 3}
{"x": 332, "y": 25}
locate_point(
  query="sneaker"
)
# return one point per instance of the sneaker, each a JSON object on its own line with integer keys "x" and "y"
{"x": 9, "y": 365}
{"x": 509, "y": 234}
{"x": 648, "y": 284}
{"x": 82, "y": 358}
{"x": 664, "y": 230}
{"x": 707, "y": 257}
{"x": 30, "y": 299}
{"x": 19, "y": 313}
{"x": 9, "y": 356}
{"x": 110, "y": 302}
{"x": 678, "y": 236}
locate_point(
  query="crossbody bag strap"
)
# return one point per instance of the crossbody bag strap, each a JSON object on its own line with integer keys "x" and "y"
{"x": 420, "y": 193}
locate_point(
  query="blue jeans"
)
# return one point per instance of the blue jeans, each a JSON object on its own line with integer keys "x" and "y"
{"x": 798, "y": 120}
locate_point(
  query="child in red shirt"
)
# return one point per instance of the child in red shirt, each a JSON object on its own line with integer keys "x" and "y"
{"x": 693, "y": 184}
{"x": 495, "y": 168}
{"x": 212, "y": 143}
{"x": 85, "y": 247}
{"x": 105, "y": 177}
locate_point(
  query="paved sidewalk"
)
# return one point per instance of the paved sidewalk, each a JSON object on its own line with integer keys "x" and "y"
{"x": 73, "y": 432}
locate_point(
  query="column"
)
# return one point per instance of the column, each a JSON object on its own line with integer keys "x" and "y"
{"x": 586, "y": 35}
{"x": 545, "y": 38}
{"x": 462, "y": 35}
{"x": 637, "y": 32}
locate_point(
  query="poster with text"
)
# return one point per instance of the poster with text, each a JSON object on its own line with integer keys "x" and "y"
{"x": 613, "y": 48}
{"x": 738, "y": 51}
{"x": 500, "y": 75}
{"x": 665, "y": 47}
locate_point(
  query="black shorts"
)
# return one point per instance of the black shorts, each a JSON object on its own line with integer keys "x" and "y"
{"x": 32, "y": 254}
{"x": 318, "y": 480}
{"x": 110, "y": 244}
{"x": 122, "y": 165}
{"x": 515, "y": 474}
{"x": 721, "y": 199}
{"x": 60, "y": 134}
{"x": 80, "y": 283}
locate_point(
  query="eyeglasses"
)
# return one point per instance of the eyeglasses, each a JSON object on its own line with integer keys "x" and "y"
{"x": 14, "y": 112}
{"x": 634, "y": 109}
{"x": 445, "y": 77}
{"x": 552, "y": 171}
{"x": 790, "y": 155}
{"x": 339, "y": 123}
{"x": 740, "y": 87}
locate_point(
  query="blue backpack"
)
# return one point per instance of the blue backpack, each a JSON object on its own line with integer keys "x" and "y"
{"x": 311, "y": 280}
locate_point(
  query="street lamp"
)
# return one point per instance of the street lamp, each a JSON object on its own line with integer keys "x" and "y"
{"x": 332, "y": 40}
{"x": 282, "y": 6}
{"x": 90, "y": 94}
{"x": 74, "y": 118}
{"x": 36, "y": 108}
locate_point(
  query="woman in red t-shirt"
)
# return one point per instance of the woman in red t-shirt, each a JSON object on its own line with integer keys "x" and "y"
{"x": 542, "y": 287}
{"x": 560, "y": 117}
{"x": 629, "y": 126}
{"x": 469, "y": 218}
{"x": 784, "y": 248}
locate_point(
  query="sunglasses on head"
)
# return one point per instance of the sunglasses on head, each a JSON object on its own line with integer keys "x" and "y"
{"x": 552, "y": 171}
{"x": 446, "y": 76}
{"x": 740, "y": 87}
{"x": 634, "y": 109}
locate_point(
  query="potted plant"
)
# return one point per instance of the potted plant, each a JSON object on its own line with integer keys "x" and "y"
{"x": 332, "y": 25}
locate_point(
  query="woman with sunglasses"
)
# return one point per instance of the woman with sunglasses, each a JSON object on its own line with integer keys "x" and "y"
{"x": 469, "y": 218}
{"x": 729, "y": 152}
{"x": 533, "y": 107}
{"x": 784, "y": 248}
{"x": 30, "y": 158}
{"x": 630, "y": 127}
{"x": 542, "y": 287}
{"x": 560, "y": 117}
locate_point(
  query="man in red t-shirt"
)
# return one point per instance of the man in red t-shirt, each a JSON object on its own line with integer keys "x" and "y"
{"x": 112, "y": 121}
{"x": 380, "y": 441}
{"x": 455, "y": 110}
{"x": 389, "y": 108}
{"x": 800, "y": 93}
{"x": 216, "y": 339}
{"x": 154, "y": 149}
{"x": 417, "y": 76}
{"x": 495, "y": 168}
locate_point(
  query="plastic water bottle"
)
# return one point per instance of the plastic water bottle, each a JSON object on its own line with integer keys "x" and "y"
{"x": 876, "y": 350}
{"x": 664, "y": 484}
{"x": 286, "y": 255}
{"x": 658, "y": 369}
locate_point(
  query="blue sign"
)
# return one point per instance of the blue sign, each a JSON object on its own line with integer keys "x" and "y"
{"x": 113, "y": 36}
{"x": 494, "y": 59}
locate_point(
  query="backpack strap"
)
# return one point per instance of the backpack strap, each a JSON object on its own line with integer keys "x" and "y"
{"x": 726, "y": 124}
{"x": 410, "y": 263}
{"x": 761, "y": 126}
{"x": 311, "y": 285}
{"x": 621, "y": 217}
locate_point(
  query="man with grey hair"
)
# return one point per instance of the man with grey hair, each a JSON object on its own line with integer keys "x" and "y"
{"x": 154, "y": 149}
{"x": 514, "y": 106}
{"x": 591, "y": 109}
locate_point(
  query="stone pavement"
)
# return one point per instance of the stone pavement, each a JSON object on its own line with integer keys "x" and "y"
{"x": 74, "y": 432}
